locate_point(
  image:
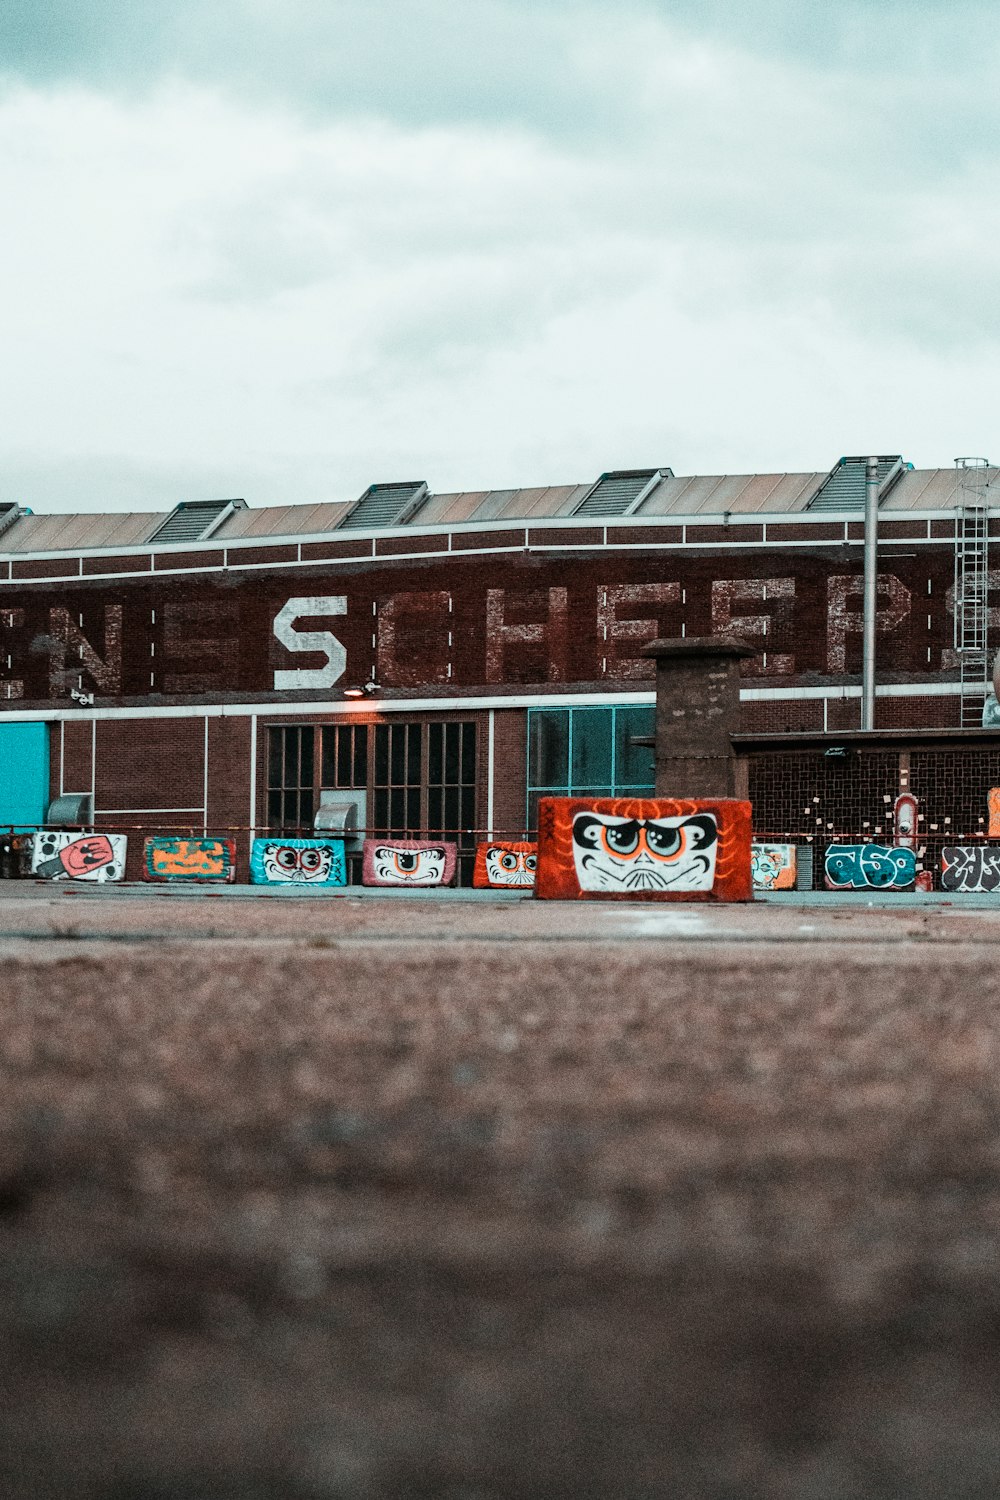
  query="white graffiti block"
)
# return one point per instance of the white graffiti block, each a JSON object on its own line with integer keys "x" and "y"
{"x": 97, "y": 857}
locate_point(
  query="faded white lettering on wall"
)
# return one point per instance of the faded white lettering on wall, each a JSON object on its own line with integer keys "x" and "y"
{"x": 10, "y": 687}
{"x": 548, "y": 635}
{"x": 730, "y": 594}
{"x": 620, "y": 626}
{"x": 413, "y": 638}
{"x": 842, "y": 622}
{"x": 71, "y": 655}
{"x": 308, "y": 607}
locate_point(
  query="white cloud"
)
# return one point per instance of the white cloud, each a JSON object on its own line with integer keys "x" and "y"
{"x": 753, "y": 269}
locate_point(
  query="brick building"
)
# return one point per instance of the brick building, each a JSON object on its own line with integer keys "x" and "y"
{"x": 454, "y": 656}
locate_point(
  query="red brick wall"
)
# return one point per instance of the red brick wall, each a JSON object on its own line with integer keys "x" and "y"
{"x": 523, "y": 618}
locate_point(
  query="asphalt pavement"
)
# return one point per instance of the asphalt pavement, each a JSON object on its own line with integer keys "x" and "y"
{"x": 347, "y": 1197}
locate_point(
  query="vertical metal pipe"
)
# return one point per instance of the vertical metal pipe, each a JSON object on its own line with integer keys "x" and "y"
{"x": 871, "y": 595}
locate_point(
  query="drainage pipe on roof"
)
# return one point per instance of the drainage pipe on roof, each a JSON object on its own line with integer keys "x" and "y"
{"x": 870, "y": 595}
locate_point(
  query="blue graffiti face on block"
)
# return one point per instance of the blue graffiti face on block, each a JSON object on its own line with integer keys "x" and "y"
{"x": 869, "y": 867}
{"x": 280, "y": 861}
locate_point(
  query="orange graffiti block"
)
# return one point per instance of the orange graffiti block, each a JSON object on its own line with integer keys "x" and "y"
{"x": 190, "y": 859}
{"x": 505, "y": 865}
{"x": 647, "y": 849}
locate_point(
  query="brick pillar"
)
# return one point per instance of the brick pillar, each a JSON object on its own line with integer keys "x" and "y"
{"x": 697, "y": 712}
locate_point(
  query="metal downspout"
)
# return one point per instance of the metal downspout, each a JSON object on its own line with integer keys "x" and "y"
{"x": 870, "y": 595}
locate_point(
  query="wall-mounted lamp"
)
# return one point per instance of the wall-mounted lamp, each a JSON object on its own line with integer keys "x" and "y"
{"x": 85, "y": 700}
{"x": 366, "y": 690}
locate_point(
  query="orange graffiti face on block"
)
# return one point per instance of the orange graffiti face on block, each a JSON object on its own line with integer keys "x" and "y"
{"x": 994, "y": 806}
{"x": 624, "y": 848}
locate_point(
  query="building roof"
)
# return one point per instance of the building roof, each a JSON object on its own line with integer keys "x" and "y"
{"x": 695, "y": 495}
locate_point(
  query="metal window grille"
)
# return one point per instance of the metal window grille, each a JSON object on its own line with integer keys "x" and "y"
{"x": 420, "y": 778}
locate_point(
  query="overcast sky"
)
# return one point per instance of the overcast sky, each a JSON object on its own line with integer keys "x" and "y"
{"x": 284, "y": 248}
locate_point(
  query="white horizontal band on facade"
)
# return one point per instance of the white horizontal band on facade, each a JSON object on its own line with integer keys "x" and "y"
{"x": 231, "y": 550}
{"x": 346, "y": 707}
{"x": 120, "y": 812}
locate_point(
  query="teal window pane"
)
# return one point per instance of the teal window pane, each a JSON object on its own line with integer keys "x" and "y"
{"x": 548, "y": 748}
{"x": 592, "y": 748}
{"x": 634, "y": 764}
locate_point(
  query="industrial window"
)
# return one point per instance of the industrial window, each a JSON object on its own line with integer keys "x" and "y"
{"x": 420, "y": 778}
{"x": 587, "y": 752}
{"x": 291, "y": 796}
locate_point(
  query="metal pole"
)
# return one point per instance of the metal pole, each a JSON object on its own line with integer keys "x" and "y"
{"x": 871, "y": 595}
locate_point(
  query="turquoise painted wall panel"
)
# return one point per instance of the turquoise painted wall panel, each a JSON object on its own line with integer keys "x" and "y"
{"x": 24, "y": 774}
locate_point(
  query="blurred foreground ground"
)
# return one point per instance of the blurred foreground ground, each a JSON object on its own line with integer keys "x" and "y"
{"x": 340, "y": 1198}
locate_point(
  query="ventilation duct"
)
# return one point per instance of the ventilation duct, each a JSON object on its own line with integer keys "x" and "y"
{"x": 71, "y": 810}
{"x": 341, "y": 815}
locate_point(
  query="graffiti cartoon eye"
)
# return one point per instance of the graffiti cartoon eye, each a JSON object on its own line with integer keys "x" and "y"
{"x": 530, "y": 861}
{"x": 406, "y": 860}
{"x": 622, "y": 838}
{"x": 508, "y": 861}
{"x": 287, "y": 859}
{"x": 663, "y": 841}
{"x": 668, "y": 842}
{"x": 310, "y": 859}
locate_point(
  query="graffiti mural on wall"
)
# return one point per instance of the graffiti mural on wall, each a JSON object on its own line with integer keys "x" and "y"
{"x": 970, "y": 867}
{"x": 190, "y": 859}
{"x": 420, "y": 862}
{"x": 298, "y": 862}
{"x": 993, "y": 803}
{"x": 79, "y": 856}
{"x": 858, "y": 867}
{"x": 505, "y": 864}
{"x": 773, "y": 867}
{"x": 904, "y": 816}
{"x": 643, "y": 848}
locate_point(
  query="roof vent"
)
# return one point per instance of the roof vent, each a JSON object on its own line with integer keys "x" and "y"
{"x": 844, "y": 486}
{"x": 387, "y": 504}
{"x": 9, "y": 514}
{"x": 195, "y": 520}
{"x": 620, "y": 491}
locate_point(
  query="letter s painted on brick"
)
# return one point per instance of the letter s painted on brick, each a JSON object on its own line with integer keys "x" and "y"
{"x": 310, "y": 640}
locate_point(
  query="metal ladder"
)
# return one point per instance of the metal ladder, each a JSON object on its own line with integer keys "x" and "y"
{"x": 972, "y": 591}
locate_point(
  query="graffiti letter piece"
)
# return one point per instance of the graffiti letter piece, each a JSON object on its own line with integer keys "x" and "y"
{"x": 969, "y": 867}
{"x": 860, "y": 867}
